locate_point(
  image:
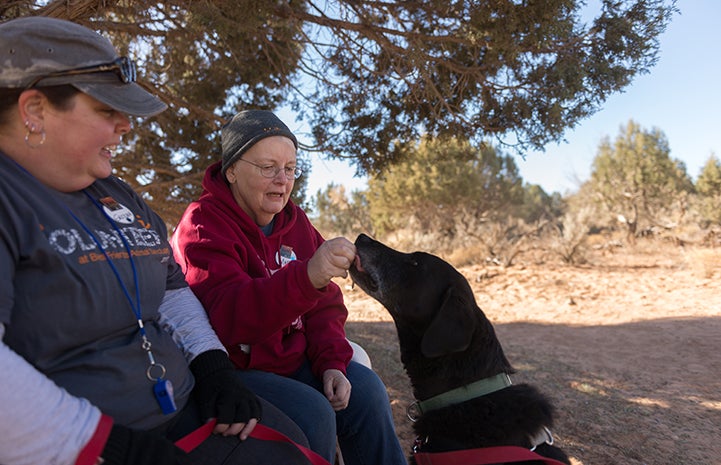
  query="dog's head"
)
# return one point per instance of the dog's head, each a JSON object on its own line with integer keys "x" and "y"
{"x": 423, "y": 294}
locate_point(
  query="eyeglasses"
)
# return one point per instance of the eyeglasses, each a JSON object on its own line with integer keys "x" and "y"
{"x": 271, "y": 171}
{"x": 124, "y": 67}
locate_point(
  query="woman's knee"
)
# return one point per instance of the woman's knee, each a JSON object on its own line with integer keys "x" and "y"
{"x": 366, "y": 384}
{"x": 274, "y": 418}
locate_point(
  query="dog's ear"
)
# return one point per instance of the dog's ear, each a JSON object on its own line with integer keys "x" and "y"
{"x": 452, "y": 327}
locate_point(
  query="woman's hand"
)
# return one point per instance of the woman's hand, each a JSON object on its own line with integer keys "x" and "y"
{"x": 242, "y": 430}
{"x": 331, "y": 260}
{"x": 221, "y": 394}
{"x": 336, "y": 388}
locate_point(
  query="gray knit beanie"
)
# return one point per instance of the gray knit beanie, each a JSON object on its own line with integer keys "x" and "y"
{"x": 247, "y": 128}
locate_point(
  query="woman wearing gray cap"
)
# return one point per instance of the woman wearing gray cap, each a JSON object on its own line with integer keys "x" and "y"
{"x": 264, "y": 274}
{"x": 106, "y": 354}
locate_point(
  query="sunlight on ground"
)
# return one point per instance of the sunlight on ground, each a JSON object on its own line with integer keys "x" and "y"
{"x": 709, "y": 404}
{"x": 649, "y": 402}
{"x": 588, "y": 388}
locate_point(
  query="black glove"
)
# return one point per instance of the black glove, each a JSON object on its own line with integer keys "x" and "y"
{"x": 219, "y": 391}
{"x": 127, "y": 446}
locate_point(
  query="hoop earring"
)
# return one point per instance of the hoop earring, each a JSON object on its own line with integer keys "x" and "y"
{"x": 30, "y": 132}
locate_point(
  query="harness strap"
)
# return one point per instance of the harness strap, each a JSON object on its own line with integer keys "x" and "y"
{"x": 482, "y": 456}
{"x": 262, "y": 432}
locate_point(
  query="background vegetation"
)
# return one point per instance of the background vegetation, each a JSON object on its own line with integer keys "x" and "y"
{"x": 433, "y": 100}
{"x": 469, "y": 203}
{"x": 377, "y": 83}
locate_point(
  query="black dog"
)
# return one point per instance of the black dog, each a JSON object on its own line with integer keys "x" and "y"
{"x": 447, "y": 343}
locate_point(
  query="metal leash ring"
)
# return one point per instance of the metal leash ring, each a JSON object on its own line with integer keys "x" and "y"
{"x": 149, "y": 371}
{"x": 413, "y": 411}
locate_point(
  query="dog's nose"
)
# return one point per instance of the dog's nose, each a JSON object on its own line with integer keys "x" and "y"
{"x": 362, "y": 238}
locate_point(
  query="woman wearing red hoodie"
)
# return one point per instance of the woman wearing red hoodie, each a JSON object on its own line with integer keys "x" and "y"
{"x": 263, "y": 273}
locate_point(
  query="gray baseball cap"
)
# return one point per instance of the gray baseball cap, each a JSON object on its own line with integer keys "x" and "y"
{"x": 38, "y": 51}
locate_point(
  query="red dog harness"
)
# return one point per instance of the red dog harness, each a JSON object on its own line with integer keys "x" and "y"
{"x": 482, "y": 456}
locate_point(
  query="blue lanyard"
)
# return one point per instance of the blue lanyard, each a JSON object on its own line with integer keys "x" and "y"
{"x": 135, "y": 306}
{"x": 162, "y": 389}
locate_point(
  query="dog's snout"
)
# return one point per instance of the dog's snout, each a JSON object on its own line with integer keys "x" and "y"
{"x": 362, "y": 239}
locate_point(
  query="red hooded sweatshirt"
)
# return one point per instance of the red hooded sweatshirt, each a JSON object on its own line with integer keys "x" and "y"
{"x": 256, "y": 289}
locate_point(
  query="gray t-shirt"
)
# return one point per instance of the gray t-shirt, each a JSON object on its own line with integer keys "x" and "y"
{"x": 63, "y": 306}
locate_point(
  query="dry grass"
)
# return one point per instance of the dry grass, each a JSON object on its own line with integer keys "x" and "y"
{"x": 626, "y": 346}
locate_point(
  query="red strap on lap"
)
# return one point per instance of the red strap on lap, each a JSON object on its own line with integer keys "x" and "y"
{"x": 482, "y": 456}
{"x": 262, "y": 432}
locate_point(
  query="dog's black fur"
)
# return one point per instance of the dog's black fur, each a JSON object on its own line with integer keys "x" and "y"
{"x": 446, "y": 342}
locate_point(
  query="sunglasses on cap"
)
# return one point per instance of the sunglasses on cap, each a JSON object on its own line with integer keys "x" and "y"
{"x": 124, "y": 67}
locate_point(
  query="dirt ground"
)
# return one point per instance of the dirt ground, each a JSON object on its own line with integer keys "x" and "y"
{"x": 627, "y": 346}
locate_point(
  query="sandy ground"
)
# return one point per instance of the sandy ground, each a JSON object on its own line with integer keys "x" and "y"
{"x": 627, "y": 346}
